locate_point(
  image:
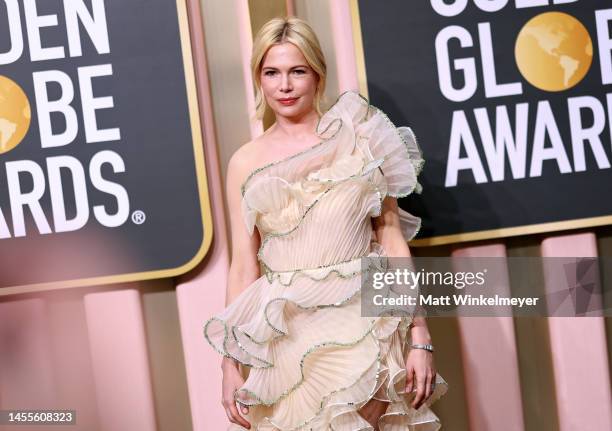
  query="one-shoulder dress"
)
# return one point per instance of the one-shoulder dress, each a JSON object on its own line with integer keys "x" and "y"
{"x": 313, "y": 360}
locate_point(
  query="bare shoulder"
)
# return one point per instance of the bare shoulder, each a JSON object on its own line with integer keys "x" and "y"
{"x": 245, "y": 160}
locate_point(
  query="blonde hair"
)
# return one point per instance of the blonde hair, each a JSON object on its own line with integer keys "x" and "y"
{"x": 298, "y": 32}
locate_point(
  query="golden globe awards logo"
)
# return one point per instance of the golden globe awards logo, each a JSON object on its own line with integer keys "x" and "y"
{"x": 510, "y": 102}
{"x": 16, "y": 112}
{"x": 553, "y": 52}
{"x": 102, "y": 175}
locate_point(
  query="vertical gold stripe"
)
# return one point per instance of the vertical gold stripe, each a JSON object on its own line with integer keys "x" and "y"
{"x": 358, "y": 42}
{"x": 532, "y": 341}
{"x": 263, "y": 11}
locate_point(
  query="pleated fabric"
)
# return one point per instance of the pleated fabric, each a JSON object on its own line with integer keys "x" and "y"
{"x": 313, "y": 360}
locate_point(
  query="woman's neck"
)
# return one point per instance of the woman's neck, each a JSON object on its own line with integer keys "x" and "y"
{"x": 297, "y": 128}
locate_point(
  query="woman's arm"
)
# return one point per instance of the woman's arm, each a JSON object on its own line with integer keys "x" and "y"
{"x": 243, "y": 271}
{"x": 419, "y": 365}
{"x": 244, "y": 266}
{"x": 389, "y": 235}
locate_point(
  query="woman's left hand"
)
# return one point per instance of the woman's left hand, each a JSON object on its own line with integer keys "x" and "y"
{"x": 420, "y": 372}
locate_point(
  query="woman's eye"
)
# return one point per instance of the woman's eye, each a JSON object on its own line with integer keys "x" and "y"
{"x": 269, "y": 73}
{"x": 299, "y": 71}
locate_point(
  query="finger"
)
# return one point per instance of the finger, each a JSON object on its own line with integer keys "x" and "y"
{"x": 240, "y": 399}
{"x": 433, "y": 382}
{"x": 420, "y": 380}
{"x": 409, "y": 379}
{"x": 427, "y": 387}
{"x": 229, "y": 415}
{"x": 237, "y": 419}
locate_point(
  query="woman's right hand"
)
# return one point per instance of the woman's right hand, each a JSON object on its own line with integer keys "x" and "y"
{"x": 232, "y": 381}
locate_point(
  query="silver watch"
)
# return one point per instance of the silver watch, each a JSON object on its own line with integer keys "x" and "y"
{"x": 428, "y": 347}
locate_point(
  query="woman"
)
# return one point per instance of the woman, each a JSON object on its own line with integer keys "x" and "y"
{"x": 317, "y": 187}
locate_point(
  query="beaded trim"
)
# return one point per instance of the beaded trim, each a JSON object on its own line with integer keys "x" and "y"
{"x": 271, "y": 274}
{"x": 377, "y": 212}
{"x": 267, "y": 364}
{"x": 364, "y": 172}
{"x": 379, "y": 252}
{"x": 281, "y": 333}
{"x": 260, "y": 401}
{"x": 417, "y": 229}
{"x": 381, "y": 196}
{"x": 379, "y": 368}
{"x": 301, "y": 380}
{"x": 435, "y": 396}
{"x": 268, "y": 165}
{"x": 319, "y": 133}
{"x": 323, "y": 406}
{"x": 224, "y": 352}
{"x": 253, "y": 340}
{"x": 368, "y": 109}
{"x": 416, "y": 165}
{"x": 391, "y": 392}
{"x": 302, "y": 307}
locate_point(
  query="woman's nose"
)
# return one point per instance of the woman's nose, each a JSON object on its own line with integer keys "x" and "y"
{"x": 286, "y": 83}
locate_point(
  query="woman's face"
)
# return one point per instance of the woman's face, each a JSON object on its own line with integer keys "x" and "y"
{"x": 287, "y": 82}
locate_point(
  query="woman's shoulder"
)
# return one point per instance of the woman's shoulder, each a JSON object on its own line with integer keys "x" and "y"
{"x": 244, "y": 154}
{"x": 240, "y": 162}
{"x": 247, "y": 158}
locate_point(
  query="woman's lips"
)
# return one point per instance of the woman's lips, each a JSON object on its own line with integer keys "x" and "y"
{"x": 288, "y": 102}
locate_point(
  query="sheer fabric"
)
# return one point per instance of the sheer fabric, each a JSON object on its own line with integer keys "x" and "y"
{"x": 314, "y": 361}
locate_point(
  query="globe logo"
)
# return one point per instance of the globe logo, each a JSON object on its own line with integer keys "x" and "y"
{"x": 15, "y": 114}
{"x": 553, "y": 51}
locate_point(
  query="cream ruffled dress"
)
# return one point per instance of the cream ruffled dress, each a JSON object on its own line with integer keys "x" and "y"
{"x": 313, "y": 360}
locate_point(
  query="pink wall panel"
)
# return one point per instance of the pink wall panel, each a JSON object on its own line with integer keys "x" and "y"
{"x": 490, "y": 361}
{"x": 579, "y": 352}
{"x": 344, "y": 46}
{"x": 26, "y": 368}
{"x": 120, "y": 361}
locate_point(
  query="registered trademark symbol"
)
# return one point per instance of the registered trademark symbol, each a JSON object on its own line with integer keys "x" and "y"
{"x": 139, "y": 217}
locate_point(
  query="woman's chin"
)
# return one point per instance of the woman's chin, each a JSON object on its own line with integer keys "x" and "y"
{"x": 296, "y": 110}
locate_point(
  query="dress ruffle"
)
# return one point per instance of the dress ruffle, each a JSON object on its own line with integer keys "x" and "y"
{"x": 244, "y": 330}
{"x": 291, "y": 370}
{"x": 374, "y": 142}
{"x": 313, "y": 360}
